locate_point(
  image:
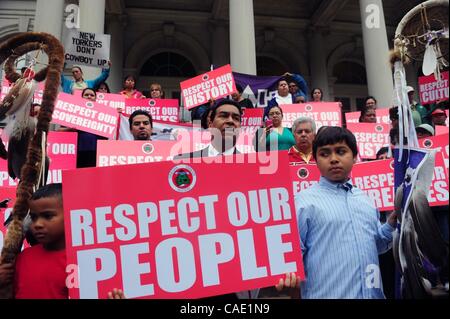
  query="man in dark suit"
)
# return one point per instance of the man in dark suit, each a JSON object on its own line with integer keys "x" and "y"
{"x": 224, "y": 126}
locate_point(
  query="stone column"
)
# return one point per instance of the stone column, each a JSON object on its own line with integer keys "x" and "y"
{"x": 220, "y": 43}
{"x": 376, "y": 52}
{"x": 92, "y": 19}
{"x": 49, "y": 17}
{"x": 115, "y": 28}
{"x": 242, "y": 37}
{"x": 318, "y": 64}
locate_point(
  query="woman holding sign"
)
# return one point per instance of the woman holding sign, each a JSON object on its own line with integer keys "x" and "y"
{"x": 78, "y": 82}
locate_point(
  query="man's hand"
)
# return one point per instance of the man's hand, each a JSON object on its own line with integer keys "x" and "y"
{"x": 6, "y": 274}
{"x": 116, "y": 294}
{"x": 392, "y": 219}
{"x": 290, "y": 284}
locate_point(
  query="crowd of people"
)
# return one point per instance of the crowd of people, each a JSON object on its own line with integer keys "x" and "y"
{"x": 341, "y": 231}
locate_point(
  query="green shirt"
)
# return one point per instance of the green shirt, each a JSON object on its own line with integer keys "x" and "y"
{"x": 285, "y": 140}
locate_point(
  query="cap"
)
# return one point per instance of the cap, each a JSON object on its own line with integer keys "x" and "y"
{"x": 438, "y": 111}
{"x": 409, "y": 89}
{"x": 426, "y": 127}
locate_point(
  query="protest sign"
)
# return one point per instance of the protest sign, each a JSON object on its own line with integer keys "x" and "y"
{"x": 85, "y": 115}
{"x": 165, "y": 110}
{"x": 438, "y": 195}
{"x": 114, "y": 101}
{"x": 87, "y": 48}
{"x": 38, "y": 93}
{"x": 184, "y": 238}
{"x": 370, "y": 137}
{"x": 211, "y": 85}
{"x": 252, "y": 118}
{"x": 323, "y": 113}
{"x": 111, "y": 153}
{"x": 440, "y": 143}
{"x": 432, "y": 90}
{"x": 62, "y": 151}
{"x": 382, "y": 116}
{"x": 303, "y": 176}
{"x": 8, "y": 197}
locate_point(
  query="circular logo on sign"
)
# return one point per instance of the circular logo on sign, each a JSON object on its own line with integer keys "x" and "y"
{"x": 379, "y": 128}
{"x": 205, "y": 77}
{"x": 303, "y": 173}
{"x": 391, "y": 164}
{"x": 182, "y": 178}
{"x": 90, "y": 104}
{"x": 100, "y": 96}
{"x": 308, "y": 107}
{"x": 428, "y": 143}
{"x": 147, "y": 148}
{"x": 151, "y": 102}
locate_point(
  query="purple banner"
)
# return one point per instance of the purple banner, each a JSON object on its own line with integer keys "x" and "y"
{"x": 259, "y": 89}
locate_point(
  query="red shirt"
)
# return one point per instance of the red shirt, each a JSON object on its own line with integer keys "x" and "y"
{"x": 295, "y": 157}
{"x": 41, "y": 274}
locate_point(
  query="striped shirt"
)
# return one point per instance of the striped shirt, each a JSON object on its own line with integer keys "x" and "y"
{"x": 341, "y": 237}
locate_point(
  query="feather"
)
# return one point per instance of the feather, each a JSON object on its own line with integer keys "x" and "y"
{"x": 429, "y": 60}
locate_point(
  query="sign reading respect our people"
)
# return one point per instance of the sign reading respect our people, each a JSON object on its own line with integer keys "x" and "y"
{"x": 165, "y": 110}
{"x": 323, "y": 113}
{"x": 85, "y": 115}
{"x": 382, "y": 116}
{"x": 184, "y": 238}
{"x": 370, "y": 137}
{"x": 211, "y": 85}
{"x": 303, "y": 176}
{"x": 432, "y": 90}
{"x": 111, "y": 153}
{"x": 87, "y": 48}
{"x": 62, "y": 151}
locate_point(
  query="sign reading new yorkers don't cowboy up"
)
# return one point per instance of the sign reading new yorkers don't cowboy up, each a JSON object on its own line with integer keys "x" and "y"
{"x": 183, "y": 238}
{"x": 87, "y": 48}
{"x": 211, "y": 85}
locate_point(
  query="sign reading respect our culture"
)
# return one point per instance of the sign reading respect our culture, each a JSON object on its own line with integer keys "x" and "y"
{"x": 85, "y": 115}
{"x": 370, "y": 137}
{"x": 87, "y": 48}
{"x": 184, "y": 238}
{"x": 323, "y": 113}
{"x": 432, "y": 90}
{"x": 165, "y": 110}
{"x": 211, "y": 85}
{"x": 62, "y": 151}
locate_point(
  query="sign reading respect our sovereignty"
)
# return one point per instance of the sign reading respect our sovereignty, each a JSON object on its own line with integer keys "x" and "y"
{"x": 87, "y": 48}
{"x": 370, "y": 137}
{"x": 382, "y": 116}
{"x": 109, "y": 99}
{"x": 184, "y": 238}
{"x": 211, "y": 85}
{"x": 323, "y": 113}
{"x": 432, "y": 90}
{"x": 62, "y": 151}
{"x": 85, "y": 115}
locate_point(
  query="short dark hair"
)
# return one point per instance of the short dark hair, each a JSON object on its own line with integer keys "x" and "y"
{"x": 334, "y": 134}
{"x": 85, "y": 89}
{"x": 382, "y": 151}
{"x": 105, "y": 84}
{"x": 321, "y": 92}
{"x": 370, "y": 97}
{"x": 239, "y": 88}
{"x": 139, "y": 112}
{"x": 393, "y": 113}
{"x": 364, "y": 111}
{"x": 49, "y": 190}
{"x": 221, "y": 102}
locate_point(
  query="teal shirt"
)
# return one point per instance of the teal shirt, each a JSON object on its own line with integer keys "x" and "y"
{"x": 285, "y": 140}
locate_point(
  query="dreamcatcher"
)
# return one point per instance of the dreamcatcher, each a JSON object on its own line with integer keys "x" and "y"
{"x": 16, "y": 106}
{"x": 419, "y": 248}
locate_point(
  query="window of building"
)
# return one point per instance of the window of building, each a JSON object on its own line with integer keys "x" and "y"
{"x": 348, "y": 72}
{"x": 168, "y": 64}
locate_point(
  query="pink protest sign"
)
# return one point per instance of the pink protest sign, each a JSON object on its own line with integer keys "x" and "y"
{"x": 165, "y": 110}
{"x": 8, "y": 197}
{"x": 323, "y": 113}
{"x": 211, "y": 85}
{"x": 370, "y": 137}
{"x": 109, "y": 99}
{"x": 85, "y": 115}
{"x": 252, "y": 117}
{"x": 382, "y": 116}
{"x": 62, "y": 151}
{"x": 184, "y": 238}
{"x": 432, "y": 90}
{"x": 38, "y": 93}
{"x": 111, "y": 153}
{"x": 303, "y": 176}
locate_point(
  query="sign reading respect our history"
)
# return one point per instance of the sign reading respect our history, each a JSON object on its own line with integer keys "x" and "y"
{"x": 382, "y": 116}
{"x": 370, "y": 137}
{"x": 87, "y": 48}
{"x": 85, "y": 115}
{"x": 184, "y": 238}
{"x": 211, "y": 85}
{"x": 323, "y": 113}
